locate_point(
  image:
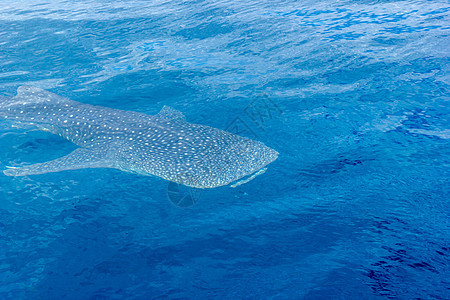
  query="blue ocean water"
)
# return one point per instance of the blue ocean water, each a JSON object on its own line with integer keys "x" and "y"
{"x": 354, "y": 95}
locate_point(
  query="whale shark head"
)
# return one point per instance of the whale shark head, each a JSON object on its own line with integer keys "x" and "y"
{"x": 224, "y": 165}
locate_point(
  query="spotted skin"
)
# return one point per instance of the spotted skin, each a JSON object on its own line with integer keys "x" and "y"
{"x": 163, "y": 145}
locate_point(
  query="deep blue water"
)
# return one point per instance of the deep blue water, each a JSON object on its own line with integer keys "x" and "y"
{"x": 354, "y": 95}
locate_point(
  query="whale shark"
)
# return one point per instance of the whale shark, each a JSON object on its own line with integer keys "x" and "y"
{"x": 163, "y": 145}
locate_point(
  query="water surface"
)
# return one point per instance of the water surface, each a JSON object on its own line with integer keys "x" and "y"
{"x": 352, "y": 94}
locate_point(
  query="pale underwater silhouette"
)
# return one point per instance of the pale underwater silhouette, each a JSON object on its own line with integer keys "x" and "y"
{"x": 163, "y": 145}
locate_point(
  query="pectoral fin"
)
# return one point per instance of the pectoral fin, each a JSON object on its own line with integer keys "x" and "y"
{"x": 78, "y": 159}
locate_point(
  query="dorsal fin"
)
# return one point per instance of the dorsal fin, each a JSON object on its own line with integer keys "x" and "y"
{"x": 169, "y": 113}
{"x": 30, "y": 94}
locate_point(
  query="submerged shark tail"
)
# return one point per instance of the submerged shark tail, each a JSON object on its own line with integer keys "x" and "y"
{"x": 4, "y": 103}
{"x": 35, "y": 106}
{"x": 29, "y": 95}
{"x": 4, "y": 100}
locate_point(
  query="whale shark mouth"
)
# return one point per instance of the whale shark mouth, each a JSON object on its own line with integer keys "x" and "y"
{"x": 248, "y": 178}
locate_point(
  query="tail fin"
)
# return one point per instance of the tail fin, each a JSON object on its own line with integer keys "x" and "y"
{"x": 4, "y": 100}
{"x": 29, "y": 94}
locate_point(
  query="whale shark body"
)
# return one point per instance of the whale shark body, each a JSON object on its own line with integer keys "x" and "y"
{"x": 164, "y": 145}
